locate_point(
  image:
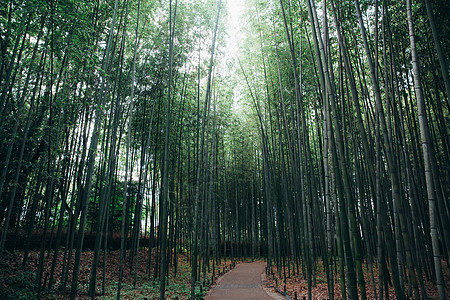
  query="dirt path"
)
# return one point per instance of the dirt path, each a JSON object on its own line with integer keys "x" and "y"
{"x": 243, "y": 282}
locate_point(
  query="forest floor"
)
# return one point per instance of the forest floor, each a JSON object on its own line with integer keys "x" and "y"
{"x": 19, "y": 283}
{"x": 296, "y": 286}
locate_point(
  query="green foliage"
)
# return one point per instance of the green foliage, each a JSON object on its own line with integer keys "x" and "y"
{"x": 17, "y": 284}
{"x": 116, "y": 204}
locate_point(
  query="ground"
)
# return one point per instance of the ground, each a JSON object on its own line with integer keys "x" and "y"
{"x": 296, "y": 284}
{"x": 18, "y": 283}
{"x": 243, "y": 282}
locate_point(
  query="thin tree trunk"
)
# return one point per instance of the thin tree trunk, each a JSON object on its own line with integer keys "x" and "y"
{"x": 428, "y": 154}
{"x": 91, "y": 159}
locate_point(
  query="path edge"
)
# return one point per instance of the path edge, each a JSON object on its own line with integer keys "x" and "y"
{"x": 269, "y": 291}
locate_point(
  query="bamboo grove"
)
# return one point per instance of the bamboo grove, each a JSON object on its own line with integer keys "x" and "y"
{"x": 324, "y": 145}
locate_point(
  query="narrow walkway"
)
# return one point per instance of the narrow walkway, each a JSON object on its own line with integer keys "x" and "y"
{"x": 243, "y": 282}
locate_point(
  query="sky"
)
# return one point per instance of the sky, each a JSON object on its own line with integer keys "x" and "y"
{"x": 235, "y": 13}
{"x": 235, "y": 22}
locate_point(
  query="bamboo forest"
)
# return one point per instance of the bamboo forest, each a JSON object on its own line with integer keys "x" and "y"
{"x": 150, "y": 147}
